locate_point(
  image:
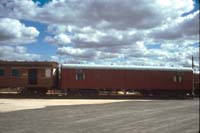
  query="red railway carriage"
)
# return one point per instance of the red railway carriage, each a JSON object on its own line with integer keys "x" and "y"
{"x": 29, "y": 76}
{"x": 146, "y": 80}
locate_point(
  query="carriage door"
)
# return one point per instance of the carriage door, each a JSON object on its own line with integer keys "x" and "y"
{"x": 32, "y": 76}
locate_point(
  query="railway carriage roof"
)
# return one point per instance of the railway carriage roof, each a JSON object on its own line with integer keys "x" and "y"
{"x": 28, "y": 63}
{"x": 123, "y": 67}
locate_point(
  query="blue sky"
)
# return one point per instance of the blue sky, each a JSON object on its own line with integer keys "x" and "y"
{"x": 42, "y": 2}
{"x": 40, "y": 47}
{"x": 146, "y": 32}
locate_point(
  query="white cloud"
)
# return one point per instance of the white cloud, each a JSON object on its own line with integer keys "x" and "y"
{"x": 138, "y": 54}
{"x": 18, "y": 53}
{"x": 58, "y": 29}
{"x": 176, "y": 55}
{"x": 13, "y": 32}
{"x": 139, "y": 14}
{"x": 184, "y": 28}
{"x": 76, "y": 52}
{"x": 61, "y": 39}
{"x": 18, "y": 9}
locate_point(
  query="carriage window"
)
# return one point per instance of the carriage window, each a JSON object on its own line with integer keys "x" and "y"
{"x": 15, "y": 72}
{"x": 180, "y": 78}
{"x": 80, "y": 76}
{"x": 175, "y": 79}
{"x": 48, "y": 73}
{"x": 1, "y": 72}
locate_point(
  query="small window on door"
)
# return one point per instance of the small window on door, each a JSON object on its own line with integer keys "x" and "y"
{"x": 2, "y": 72}
{"x": 15, "y": 73}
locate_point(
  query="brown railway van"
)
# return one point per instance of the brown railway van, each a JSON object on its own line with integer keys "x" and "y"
{"x": 31, "y": 77}
{"x": 80, "y": 78}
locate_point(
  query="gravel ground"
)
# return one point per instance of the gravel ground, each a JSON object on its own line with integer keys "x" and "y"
{"x": 96, "y": 116}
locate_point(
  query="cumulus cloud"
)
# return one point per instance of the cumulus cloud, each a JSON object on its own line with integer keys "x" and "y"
{"x": 13, "y": 32}
{"x": 76, "y": 52}
{"x": 176, "y": 55}
{"x": 58, "y": 28}
{"x": 99, "y": 13}
{"x": 114, "y": 14}
{"x": 183, "y": 28}
{"x": 18, "y": 53}
{"x": 167, "y": 55}
{"x": 18, "y": 9}
{"x": 61, "y": 39}
{"x": 86, "y": 54}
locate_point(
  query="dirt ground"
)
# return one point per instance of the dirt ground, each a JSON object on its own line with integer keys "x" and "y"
{"x": 8, "y": 105}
